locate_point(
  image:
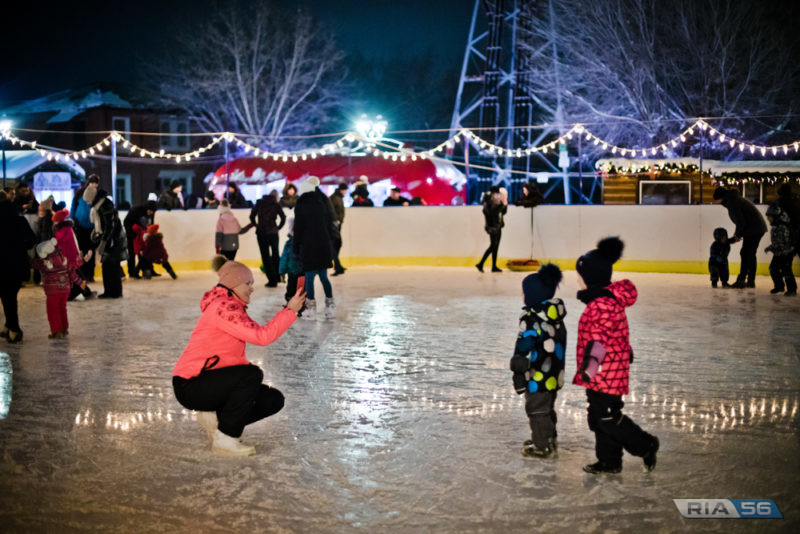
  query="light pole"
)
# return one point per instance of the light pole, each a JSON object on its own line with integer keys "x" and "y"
{"x": 5, "y": 127}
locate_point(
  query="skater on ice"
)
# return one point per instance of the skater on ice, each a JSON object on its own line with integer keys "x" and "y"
{"x": 604, "y": 356}
{"x": 213, "y": 375}
{"x": 538, "y": 361}
{"x": 718, "y": 258}
{"x": 782, "y": 248}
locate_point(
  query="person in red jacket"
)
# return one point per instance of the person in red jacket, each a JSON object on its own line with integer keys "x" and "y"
{"x": 56, "y": 282}
{"x": 153, "y": 251}
{"x": 604, "y": 356}
{"x": 68, "y": 243}
{"x": 213, "y": 375}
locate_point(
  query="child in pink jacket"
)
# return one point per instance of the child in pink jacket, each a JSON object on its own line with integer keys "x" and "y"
{"x": 213, "y": 375}
{"x": 226, "y": 238}
{"x": 56, "y": 283}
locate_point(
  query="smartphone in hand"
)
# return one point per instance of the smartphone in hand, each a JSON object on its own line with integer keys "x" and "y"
{"x": 301, "y": 283}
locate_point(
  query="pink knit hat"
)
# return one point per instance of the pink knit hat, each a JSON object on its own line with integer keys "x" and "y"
{"x": 232, "y": 273}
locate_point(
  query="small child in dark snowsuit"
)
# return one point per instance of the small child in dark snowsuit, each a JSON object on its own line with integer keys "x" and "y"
{"x": 718, "y": 260}
{"x": 153, "y": 251}
{"x": 782, "y": 248}
{"x": 56, "y": 282}
{"x": 538, "y": 361}
{"x": 604, "y": 356}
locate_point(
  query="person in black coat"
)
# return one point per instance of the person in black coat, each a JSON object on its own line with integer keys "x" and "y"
{"x": 172, "y": 199}
{"x": 750, "y": 228}
{"x": 236, "y": 198}
{"x": 110, "y": 238}
{"x": 313, "y": 242}
{"x": 144, "y": 216}
{"x": 495, "y": 205}
{"x": 16, "y": 237}
{"x": 268, "y": 218}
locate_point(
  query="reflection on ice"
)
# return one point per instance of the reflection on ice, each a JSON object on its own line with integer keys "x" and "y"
{"x": 6, "y": 373}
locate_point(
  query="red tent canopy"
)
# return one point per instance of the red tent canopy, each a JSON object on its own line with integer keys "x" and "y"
{"x": 435, "y": 181}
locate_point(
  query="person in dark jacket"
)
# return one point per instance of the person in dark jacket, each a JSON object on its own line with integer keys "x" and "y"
{"x": 782, "y": 248}
{"x": 16, "y": 238}
{"x": 236, "y": 198}
{"x": 750, "y": 228}
{"x": 337, "y": 204}
{"x": 268, "y": 218}
{"x": 361, "y": 194}
{"x": 109, "y": 235}
{"x": 144, "y": 216}
{"x": 495, "y": 205}
{"x": 24, "y": 201}
{"x": 789, "y": 203}
{"x": 82, "y": 215}
{"x": 531, "y": 197}
{"x": 313, "y": 243}
{"x": 395, "y": 198}
{"x": 718, "y": 258}
{"x": 172, "y": 198}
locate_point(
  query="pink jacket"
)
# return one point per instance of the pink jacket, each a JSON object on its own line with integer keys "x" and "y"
{"x": 604, "y": 321}
{"x": 65, "y": 236}
{"x": 55, "y": 272}
{"x": 227, "y": 223}
{"x": 223, "y": 330}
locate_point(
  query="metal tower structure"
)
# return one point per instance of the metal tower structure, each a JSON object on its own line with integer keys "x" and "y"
{"x": 496, "y": 99}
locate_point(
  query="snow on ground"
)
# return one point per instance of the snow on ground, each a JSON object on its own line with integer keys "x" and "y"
{"x": 400, "y": 415}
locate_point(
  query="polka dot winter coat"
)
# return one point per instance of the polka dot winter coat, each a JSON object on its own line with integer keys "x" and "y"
{"x": 604, "y": 321}
{"x": 538, "y": 361}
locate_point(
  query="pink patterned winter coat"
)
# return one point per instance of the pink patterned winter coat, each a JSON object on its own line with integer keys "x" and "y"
{"x": 604, "y": 321}
{"x": 223, "y": 331}
{"x": 55, "y": 272}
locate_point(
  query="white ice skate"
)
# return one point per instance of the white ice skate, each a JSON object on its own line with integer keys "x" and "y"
{"x": 310, "y": 313}
{"x": 330, "y": 308}
{"x": 208, "y": 420}
{"x": 227, "y": 446}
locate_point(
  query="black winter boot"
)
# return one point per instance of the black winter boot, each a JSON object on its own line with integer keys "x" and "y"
{"x": 599, "y": 468}
{"x": 650, "y": 457}
{"x": 168, "y": 268}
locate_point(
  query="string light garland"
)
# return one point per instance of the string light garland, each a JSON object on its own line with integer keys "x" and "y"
{"x": 700, "y": 126}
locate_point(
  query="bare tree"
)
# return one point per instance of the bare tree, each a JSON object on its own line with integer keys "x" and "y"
{"x": 252, "y": 70}
{"x": 634, "y": 70}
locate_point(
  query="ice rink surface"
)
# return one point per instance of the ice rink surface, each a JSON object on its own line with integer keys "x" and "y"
{"x": 400, "y": 414}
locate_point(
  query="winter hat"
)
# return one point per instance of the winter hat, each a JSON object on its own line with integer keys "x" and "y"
{"x": 151, "y": 205}
{"x": 45, "y": 248}
{"x": 152, "y": 229}
{"x": 719, "y": 193}
{"x": 595, "y": 266}
{"x": 224, "y": 206}
{"x": 541, "y": 285}
{"x": 231, "y": 273}
{"x": 89, "y": 194}
{"x": 60, "y": 216}
{"x": 777, "y": 214}
{"x": 309, "y": 185}
{"x": 720, "y": 234}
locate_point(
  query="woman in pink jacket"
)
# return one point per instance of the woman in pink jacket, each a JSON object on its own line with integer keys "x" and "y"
{"x": 213, "y": 375}
{"x": 68, "y": 243}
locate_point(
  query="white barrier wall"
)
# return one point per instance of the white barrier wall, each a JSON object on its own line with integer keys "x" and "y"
{"x": 657, "y": 238}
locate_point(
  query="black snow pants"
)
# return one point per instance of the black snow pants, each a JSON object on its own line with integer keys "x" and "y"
{"x": 540, "y": 408}
{"x": 613, "y": 430}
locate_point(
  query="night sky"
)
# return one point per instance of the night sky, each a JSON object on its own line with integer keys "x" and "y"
{"x": 49, "y": 46}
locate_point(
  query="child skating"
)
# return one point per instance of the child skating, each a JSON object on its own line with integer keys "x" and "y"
{"x": 538, "y": 361}
{"x": 718, "y": 258}
{"x": 153, "y": 251}
{"x": 604, "y": 356}
{"x": 782, "y": 248}
{"x": 56, "y": 283}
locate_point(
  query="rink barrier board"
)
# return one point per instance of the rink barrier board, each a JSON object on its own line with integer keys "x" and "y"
{"x": 657, "y": 238}
{"x": 633, "y": 266}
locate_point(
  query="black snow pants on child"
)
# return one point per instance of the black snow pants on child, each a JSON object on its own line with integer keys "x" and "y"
{"x": 613, "y": 430}
{"x": 540, "y": 407}
{"x": 235, "y": 393}
{"x": 718, "y": 271}
{"x": 780, "y": 269}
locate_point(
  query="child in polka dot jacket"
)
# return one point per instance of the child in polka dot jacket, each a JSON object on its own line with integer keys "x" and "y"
{"x": 538, "y": 361}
